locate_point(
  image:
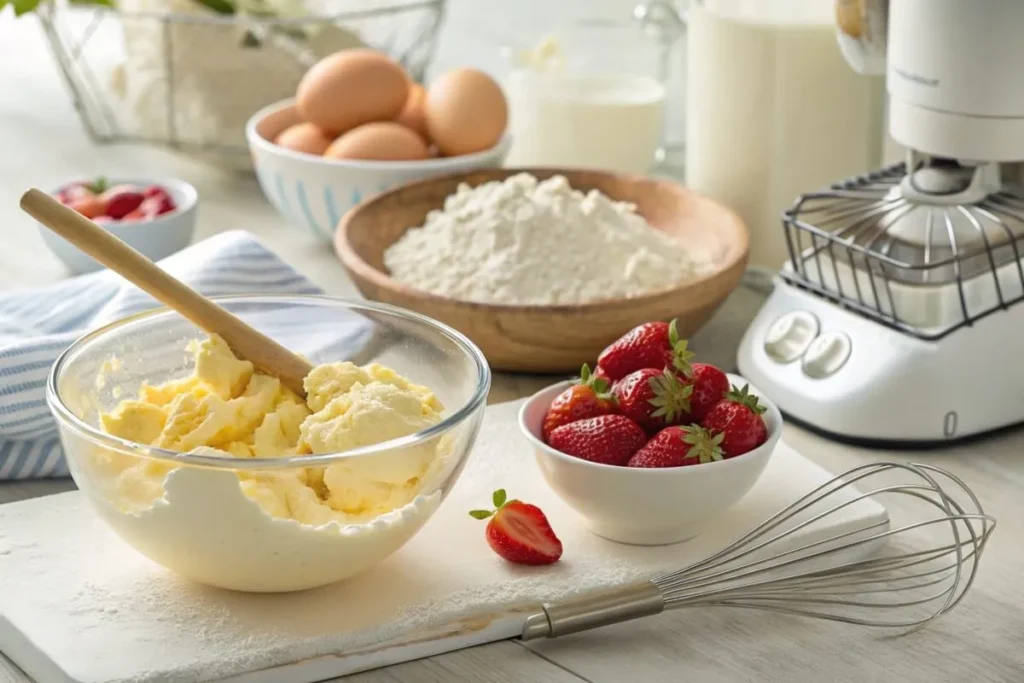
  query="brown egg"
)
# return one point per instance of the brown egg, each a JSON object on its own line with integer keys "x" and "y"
{"x": 412, "y": 115}
{"x": 304, "y": 137}
{"x": 466, "y": 112}
{"x": 380, "y": 141}
{"x": 350, "y": 88}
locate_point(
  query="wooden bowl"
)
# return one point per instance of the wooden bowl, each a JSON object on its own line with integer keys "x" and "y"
{"x": 558, "y": 338}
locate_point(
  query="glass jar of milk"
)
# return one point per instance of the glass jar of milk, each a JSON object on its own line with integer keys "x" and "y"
{"x": 773, "y": 111}
{"x": 588, "y": 96}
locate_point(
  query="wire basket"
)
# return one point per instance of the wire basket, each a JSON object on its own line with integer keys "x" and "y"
{"x": 175, "y": 73}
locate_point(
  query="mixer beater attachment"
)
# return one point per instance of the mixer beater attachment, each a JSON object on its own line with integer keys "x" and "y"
{"x": 896, "y": 576}
{"x": 926, "y": 251}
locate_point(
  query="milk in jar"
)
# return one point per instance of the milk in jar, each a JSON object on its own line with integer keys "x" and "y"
{"x": 590, "y": 103}
{"x": 774, "y": 111}
{"x": 609, "y": 121}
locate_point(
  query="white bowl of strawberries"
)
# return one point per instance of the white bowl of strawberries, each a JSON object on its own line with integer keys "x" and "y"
{"x": 651, "y": 447}
{"x": 156, "y": 218}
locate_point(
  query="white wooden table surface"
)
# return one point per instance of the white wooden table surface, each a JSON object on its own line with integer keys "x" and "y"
{"x": 41, "y": 144}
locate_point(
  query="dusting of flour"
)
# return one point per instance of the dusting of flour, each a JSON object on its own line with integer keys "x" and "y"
{"x": 100, "y": 611}
{"x": 524, "y": 241}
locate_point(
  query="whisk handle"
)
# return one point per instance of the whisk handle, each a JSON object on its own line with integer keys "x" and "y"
{"x": 593, "y": 611}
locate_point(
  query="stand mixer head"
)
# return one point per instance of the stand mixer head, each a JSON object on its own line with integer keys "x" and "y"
{"x": 946, "y": 215}
{"x": 917, "y": 266}
{"x": 952, "y": 70}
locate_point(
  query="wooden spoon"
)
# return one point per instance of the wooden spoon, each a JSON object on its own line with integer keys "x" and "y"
{"x": 264, "y": 353}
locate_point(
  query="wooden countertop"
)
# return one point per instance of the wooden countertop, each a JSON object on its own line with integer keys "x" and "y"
{"x": 42, "y": 144}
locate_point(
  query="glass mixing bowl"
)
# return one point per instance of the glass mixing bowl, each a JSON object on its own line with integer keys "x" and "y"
{"x": 202, "y": 516}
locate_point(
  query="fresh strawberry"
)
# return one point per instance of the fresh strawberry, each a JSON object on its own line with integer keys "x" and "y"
{"x": 679, "y": 446}
{"x": 654, "y": 399}
{"x": 121, "y": 201}
{"x": 651, "y": 345}
{"x": 89, "y": 206}
{"x": 643, "y": 346}
{"x": 605, "y": 439}
{"x": 588, "y": 398}
{"x": 710, "y": 385}
{"x": 154, "y": 191}
{"x": 157, "y": 205}
{"x": 738, "y": 417}
{"x": 519, "y": 532}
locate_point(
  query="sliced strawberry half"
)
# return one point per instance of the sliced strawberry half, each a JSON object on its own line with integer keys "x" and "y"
{"x": 519, "y": 532}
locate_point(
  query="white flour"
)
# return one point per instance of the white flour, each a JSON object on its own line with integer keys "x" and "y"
{"x": 522, "y": 241}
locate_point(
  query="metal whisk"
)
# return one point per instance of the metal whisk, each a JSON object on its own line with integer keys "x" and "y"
{"x": 876, "y": 575}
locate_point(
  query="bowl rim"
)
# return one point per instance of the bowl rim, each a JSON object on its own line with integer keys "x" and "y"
{"x": 68, "y": 419}
{"x": 439, "y": 163}
{"x": 732, "y": 266}
{"x": 763, "y": 450}
{"x": 185, "y": 188}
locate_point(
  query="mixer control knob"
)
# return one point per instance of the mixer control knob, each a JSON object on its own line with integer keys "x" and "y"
{"x": 789, "y": 336}
{"x": 826, "y": 354}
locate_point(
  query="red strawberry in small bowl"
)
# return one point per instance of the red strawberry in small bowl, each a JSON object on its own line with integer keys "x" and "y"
{"x": 657, "y": 488}
{"x": 654, "y": 399}
{"x": 590, "y": 397}
{"x": 155, "y": 217}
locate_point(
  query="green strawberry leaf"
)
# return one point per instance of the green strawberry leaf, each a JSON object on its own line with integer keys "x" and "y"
{"x": 480, "y": 514}
{"x": 671, "y": 397}
{"x": 499, "y": 498}
{"x": 681, "y": 356}
{"x": 704, "y": 444}
{"x": 745, "y": 398}
{"x": 599, "y": 385}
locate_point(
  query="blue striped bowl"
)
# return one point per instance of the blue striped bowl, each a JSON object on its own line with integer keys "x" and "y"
{"x": 313, "y": 193}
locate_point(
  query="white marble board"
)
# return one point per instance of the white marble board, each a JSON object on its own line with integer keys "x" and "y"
{"x": 79, "y": 606}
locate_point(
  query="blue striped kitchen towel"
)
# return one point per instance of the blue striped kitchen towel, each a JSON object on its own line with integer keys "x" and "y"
{"x": 36, "y": 325}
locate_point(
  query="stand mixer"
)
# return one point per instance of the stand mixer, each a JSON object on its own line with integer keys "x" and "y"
{"x": 896, "y": 317}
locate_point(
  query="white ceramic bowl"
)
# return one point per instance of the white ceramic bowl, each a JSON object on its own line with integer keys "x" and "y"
{"x": 314, "y": 193}
{"x": 644, "y": 506}
{"x": 155, "y": 239}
